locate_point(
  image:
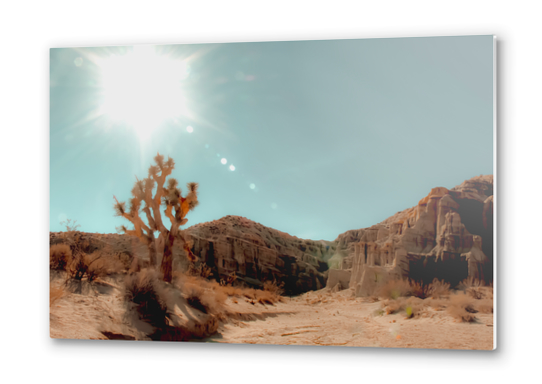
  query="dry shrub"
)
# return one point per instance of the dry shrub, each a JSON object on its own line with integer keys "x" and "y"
{"x": 394, "y": 289}
{"x": 154, "y": 301}
{"x": 208, "y": 296}
{"x": 146, "y": 293}
{"x": 229, "y": 280}
{"x": 202, "y": 270}
{"x": 59, "y": 256}
{"x": 92, "y": 266}
{"x": 412, "y": 306}
{"x": 462, "y": 308}
{"x": 393, "y": 306}
{"x": 204, "y": 298}
{"x": 419, "y": 290}
{"x": 474, "y": 288}
{"x": 438, "y": 289}
{"x": 273, "y": 287}
{"x": 55, "y": 294}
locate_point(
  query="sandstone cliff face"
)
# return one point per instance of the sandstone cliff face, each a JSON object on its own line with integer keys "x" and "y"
{"x": 448, "y": 235}
{"x": 257, "y": 253}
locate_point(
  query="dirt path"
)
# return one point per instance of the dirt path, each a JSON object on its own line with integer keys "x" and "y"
{"x": 336, "y": 319}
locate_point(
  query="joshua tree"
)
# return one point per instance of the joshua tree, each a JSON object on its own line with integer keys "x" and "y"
{"x": 176, "y": 208}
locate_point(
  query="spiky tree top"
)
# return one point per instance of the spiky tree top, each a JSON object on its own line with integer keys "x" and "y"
{"x": 167, "y": 195}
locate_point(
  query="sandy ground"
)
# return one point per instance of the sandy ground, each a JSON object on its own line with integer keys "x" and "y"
{"x": 320, "y": 318}
{"x": 315, "y": 318}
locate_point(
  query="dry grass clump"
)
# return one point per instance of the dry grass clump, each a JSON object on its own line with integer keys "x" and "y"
{"x": 201, "y": 270}
{"x": 215, "y": 293}
{"x": 203, "y": 296}
{"x": 228, "y": 280}
{"x": 59, "y": 256}
{"x": 476, "y": 288}
{"x": 438, "y": 289}
{"x": 394, "y": 289}
{"x": 412, "y": 306}
{"x": 462, "y": 308}
{"x": 92, "y": 266}
{"x": 145, "y": 293}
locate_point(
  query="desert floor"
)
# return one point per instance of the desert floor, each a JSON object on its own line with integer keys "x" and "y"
{"x": 314, "y": 318}
{"x": 323, "y": 318}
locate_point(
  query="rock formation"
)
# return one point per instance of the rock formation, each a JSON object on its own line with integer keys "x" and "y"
{"x": 448, "y": 235}
{"x": 257, "y": 253}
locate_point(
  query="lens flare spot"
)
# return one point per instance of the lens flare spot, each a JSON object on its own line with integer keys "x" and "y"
{"x": 223, "y": 160}
{"x": 78, "y": 62}
{"x": 274, "y": 206}
{"x": 252, "y": 186}
{"x": 232, "y": 167}
{"x": 189, "y": 129}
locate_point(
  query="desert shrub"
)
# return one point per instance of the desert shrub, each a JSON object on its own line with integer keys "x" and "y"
{"x": 393, "y": 306}
{"x": 473, "y": 287}
{"x": 438, "y": 289}
{"x": 419, "y": 290}
{"x": 462, "y": 308}
{"x": 412, "y": 306}
{"x": 201, "y": 270}
{"x": 59, "y": 256}
{"x": 273, "y": 287}
{"x": 205, "y": 297}
{"x": 145, "y": 293}
{"x": 92, "y": 266}
{"x": 125, "y": 259}
{"x": 394, "y": 289}
{"x": 228, "y": 280}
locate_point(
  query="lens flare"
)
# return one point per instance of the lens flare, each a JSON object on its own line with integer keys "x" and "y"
{"x": 189, "y": 129}
{"x": 223, "y": 161}
{"x": 232, "y": 167}
{"x": 143, "y": 89}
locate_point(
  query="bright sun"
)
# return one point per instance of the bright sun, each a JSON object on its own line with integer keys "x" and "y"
{"x": 143, "y": 89}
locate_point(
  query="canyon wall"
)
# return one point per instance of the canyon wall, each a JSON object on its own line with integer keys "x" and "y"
{"x": 257, "y": 254}
{"x": 448, "y": 235}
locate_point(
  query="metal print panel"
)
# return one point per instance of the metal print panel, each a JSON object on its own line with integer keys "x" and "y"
{"x": 333, "y": 193}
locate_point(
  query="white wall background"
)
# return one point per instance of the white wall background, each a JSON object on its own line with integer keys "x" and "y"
{"x": 29, "y": 29}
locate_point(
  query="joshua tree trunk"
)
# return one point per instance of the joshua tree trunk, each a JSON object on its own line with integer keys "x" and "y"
{"x": 167, "y": 260}
{"x": 152, "y": 252}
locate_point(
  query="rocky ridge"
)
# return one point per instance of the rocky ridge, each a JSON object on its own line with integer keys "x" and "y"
{"x": 448, "y": 235}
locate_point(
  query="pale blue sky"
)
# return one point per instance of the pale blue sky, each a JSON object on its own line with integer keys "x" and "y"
{"x": 332, "y": 135}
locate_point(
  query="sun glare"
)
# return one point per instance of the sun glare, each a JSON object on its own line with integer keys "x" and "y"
{"x": 143, "y": 89}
